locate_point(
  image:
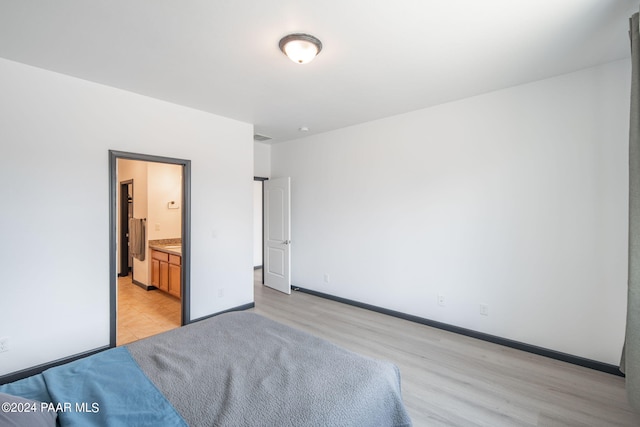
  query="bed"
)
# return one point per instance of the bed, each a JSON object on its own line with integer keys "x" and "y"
{"x": 235, "y": 369}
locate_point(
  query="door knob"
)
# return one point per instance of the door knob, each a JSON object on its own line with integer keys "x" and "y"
{"x": 286, "y": 242}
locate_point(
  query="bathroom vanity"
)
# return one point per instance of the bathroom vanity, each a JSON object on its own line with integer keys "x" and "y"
{"x": 166, "y": 268}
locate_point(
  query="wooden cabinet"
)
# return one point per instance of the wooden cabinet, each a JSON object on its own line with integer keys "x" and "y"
{"x": 166, "y": 272}
{"x": 175, "y": 275}
{"x": 164, "y": 276}
{"x": 155, "y": 271}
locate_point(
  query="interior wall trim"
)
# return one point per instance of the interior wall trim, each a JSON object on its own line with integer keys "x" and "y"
{"x": 24, "y": 373}
{"x": 541, "y": 351}
{"x": 142, "y": 285}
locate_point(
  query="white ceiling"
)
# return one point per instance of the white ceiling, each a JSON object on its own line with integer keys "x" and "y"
{"x": 380, "y": 57}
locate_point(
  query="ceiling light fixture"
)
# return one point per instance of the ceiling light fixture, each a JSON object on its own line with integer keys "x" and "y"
{"x": 300, "y": 48}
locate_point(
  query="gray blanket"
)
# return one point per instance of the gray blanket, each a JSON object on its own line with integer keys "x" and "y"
{"x": 241, "y": 369}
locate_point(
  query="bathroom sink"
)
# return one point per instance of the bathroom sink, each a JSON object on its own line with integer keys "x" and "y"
{"x": 172, "y": 247}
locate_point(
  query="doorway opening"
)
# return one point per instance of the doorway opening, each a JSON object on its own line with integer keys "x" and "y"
{"x": 126, "y": 213}
{"x": 154, "y": 227}
{"x": 258, "y": 222}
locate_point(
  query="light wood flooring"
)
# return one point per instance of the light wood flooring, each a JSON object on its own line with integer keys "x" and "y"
{"x": 453, "y": 380}
{"x": 144, "y": 313}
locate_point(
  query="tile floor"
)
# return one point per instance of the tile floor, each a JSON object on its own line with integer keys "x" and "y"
{"x": 144, "y": 313}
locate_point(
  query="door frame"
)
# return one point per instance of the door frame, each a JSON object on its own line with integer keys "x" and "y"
{"x": 262, "y": 180}
{"x": 185, "y": 300}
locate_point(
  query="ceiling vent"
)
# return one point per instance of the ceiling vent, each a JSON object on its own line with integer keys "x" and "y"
{"x": 258, "y": 137}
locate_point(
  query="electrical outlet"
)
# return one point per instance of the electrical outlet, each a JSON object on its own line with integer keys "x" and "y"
{"x": 441, "y": 300}
{"x": 4, "y": 344}
{"x": 221, "y": 293}
{"x": 326, "y": 278}
{"x": 484, "y": 309}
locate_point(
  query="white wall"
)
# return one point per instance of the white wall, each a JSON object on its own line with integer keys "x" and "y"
{"x": 262, "y": 160}
{"x": 261, "y": 169}
{"x": 164, "y": 185}
{"x": 516, "y": 199}
{"x": 55, "y": 133}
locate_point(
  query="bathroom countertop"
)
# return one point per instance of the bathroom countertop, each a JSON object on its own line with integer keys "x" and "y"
{"x": 169, "y": 246}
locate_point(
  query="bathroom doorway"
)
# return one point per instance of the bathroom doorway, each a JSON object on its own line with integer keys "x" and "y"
{"x": 154, "y": 225}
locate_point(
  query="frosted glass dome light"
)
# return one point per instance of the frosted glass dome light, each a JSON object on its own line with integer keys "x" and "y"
{"x": 300, "y": 48}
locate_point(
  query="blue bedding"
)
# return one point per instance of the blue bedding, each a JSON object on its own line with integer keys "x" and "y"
{"x": 106, "y": 389}
{"x": 33, "y": 388}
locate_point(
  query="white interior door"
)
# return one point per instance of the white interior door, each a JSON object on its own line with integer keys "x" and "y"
{"x": 277, "y": 234}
